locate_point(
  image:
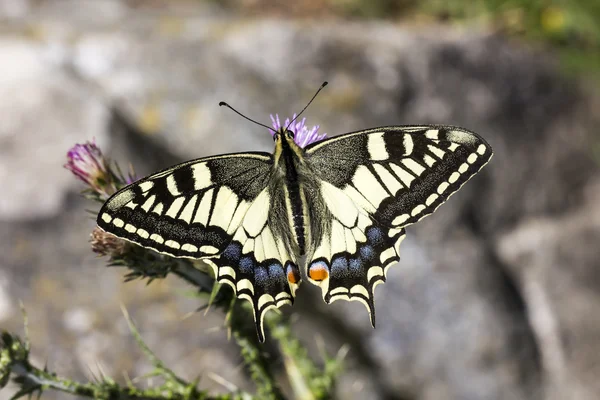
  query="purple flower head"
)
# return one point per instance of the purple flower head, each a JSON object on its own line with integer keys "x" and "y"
{"x": 87, "y": 163}
{"x": 302, "y": 135}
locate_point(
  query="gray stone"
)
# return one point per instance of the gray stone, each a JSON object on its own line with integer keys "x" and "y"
{"x": 45, "y": 111}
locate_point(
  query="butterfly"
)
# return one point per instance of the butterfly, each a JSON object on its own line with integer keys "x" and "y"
{"x": 343, "y": 203}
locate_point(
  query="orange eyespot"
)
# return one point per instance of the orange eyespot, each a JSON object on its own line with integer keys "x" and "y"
{"x": 318, "y": 271}
{"x": 293, "y": 275}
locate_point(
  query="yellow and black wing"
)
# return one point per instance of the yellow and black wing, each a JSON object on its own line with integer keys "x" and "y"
{"x": 217, "y": 209}
{"x": 371, "y": 185}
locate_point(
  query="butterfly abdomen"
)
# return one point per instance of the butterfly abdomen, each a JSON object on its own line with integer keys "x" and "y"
{"x": 293, "y": 198}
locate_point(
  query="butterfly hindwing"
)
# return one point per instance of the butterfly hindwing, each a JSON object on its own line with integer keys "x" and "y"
{"x": 258, "y": 265}
{"x": 217, "y": 209}
{"x": 352, "y": 253}
{"x": 381, "y": 180}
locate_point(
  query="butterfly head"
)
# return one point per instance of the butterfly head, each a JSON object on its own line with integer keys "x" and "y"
{"x": 285, "y": 143}
{"x": 284, "y": 134}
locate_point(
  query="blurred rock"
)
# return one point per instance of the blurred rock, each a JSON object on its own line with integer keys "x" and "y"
{"x": 44, "y": 113}
{"x": 494, "y": 296}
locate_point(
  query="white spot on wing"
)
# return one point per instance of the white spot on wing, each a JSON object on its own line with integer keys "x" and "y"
{"x": 454, "y": 177}
{"x": 400, "y": 219}
{"x": 442, "y": 188}
{"x": 208, "y": 249}
{"x": 143, "y": 233}
{"x": 432, "y": 134}
{"x": 417, "y": 210}
{"x": 172, "y": 185}
{"x": 157, "y": 238}
{"x": 376, "y": 146}
{"x": 201, "y": 174}
{"x": 106, "y": 218}
{"x": 472, "y": 158}
{"x": 407, "y": 142}
{"x": 431, "y": 199}
{"x": 481, "y": 149}
{"x": 118, "y": 222}
{"x": 189, "y": 248}
{"x": 173, "y": 244}
{"x": 463, "y": 168}
{"x": 130, "y": 228}
{"x": 145, "y": 186}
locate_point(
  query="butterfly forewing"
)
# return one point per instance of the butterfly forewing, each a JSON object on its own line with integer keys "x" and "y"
{"x": 374, "y": 183}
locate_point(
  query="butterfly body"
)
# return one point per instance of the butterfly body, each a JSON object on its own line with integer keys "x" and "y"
{"x": 343, "y": 203}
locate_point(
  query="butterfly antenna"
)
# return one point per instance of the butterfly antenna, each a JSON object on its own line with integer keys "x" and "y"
{"x": 306, "y": 106}
{"x": 222, "y": 103}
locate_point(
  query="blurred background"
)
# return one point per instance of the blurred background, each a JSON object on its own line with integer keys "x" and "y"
{"x": 497, "y": 293}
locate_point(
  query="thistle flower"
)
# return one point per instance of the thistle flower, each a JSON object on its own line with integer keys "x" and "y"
{"x": 89, "y": 165}
{"x": 302, "y": 135}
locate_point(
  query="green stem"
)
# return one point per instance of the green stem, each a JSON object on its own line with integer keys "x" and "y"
{"x": 245, "y": 337}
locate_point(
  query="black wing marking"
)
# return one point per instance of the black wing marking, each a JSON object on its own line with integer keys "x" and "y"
{"x": 373, "y": 184}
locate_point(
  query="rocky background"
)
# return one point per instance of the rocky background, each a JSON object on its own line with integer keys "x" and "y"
{"x": 497, "y": 294}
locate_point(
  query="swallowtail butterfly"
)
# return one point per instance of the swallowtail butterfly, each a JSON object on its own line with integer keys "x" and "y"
{"x": 343, "y": 202}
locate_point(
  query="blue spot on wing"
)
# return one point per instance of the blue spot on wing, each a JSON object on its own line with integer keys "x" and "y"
{"x": 339, "y": 266}
{"x": 375, "y": 235}
{"x": 247, "y": 265}
{"x": 355, "y": 265}
{"x": 367, "y": 252}
{"x": 276, "y": 273}
{"x": 233, "y": 252}
{"x": 261, "y": 275}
